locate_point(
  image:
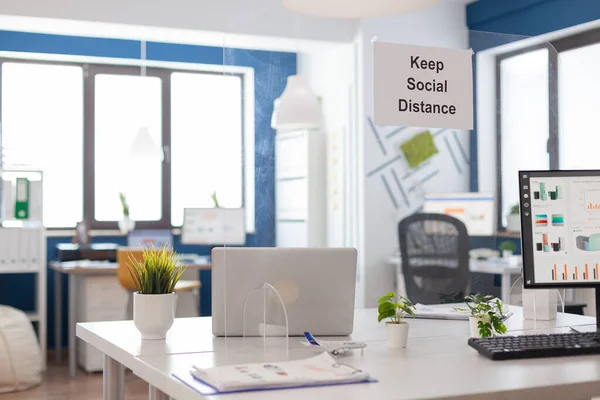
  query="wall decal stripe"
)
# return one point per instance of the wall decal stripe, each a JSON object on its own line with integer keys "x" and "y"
{"x": 384, "y": 165}
{"x": 381, "y": 146}
{"x": 452, "y": 155}
{"x": 389, "y": 190}
{"x": 400, "y": 188}
{"x": 460, "y": 147}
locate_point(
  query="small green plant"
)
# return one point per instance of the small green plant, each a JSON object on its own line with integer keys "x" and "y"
{"x": 395, "y": 307}
{"x": 124, "y": 204}
{"x": 507, "y": 245}
{"x": 213, "y": 196}
{"x": 514, "y": 210}
{"x": 489, "y": 310}
{"x": 158, "y": 272}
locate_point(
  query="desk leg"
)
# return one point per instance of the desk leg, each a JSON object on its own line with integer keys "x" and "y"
{"x": 506, "y": 287}
{"x": 72, "y": 326}
{"x": 58, "y": 316}
{"x": 155, "y": 394}
{"x": 113, "y": 380}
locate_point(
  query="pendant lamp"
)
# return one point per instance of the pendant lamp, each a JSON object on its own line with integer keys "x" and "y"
{"x": 356, "y": 8}
{"x": 297, "y": 108}
{"x": 144, "y": 146}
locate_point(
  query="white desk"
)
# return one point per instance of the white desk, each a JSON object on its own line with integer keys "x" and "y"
{"x": 492, "y": 266}
{"x": 75, "y": 270}
{"x": 437, "y": 350}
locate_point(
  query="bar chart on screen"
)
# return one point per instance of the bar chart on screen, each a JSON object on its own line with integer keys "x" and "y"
{"x": 582, "y": 272}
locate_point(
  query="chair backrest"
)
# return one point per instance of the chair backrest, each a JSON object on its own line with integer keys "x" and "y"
{"x": 124, "y": 257}
{"x": 434, "y": 250}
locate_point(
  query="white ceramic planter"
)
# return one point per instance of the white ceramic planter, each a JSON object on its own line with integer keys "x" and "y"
{"x": 153, "y": 314}
{"x": 507, "y": 253}
{"x": 473, "y": 325}
{"x": 513, "y": 223}
{"x": 397, "y": 335}
{"x": 126, "y": 225}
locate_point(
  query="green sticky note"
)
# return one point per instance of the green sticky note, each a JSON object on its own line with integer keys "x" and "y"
{"x": 419, "y": 149}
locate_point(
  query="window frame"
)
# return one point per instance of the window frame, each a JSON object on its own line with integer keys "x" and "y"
{"x": 153, "y": 69}
{"x": 555, "y": 47}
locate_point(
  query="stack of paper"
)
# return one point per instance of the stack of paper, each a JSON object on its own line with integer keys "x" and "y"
{"x": 316, "y": 371}
{"x": 440, "y": 311}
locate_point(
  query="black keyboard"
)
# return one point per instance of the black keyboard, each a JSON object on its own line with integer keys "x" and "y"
{"x": 537, "y": 346}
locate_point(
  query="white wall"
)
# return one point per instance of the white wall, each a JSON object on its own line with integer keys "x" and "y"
{"x": 254, "y": 17}
{"x": 441, "y": 26}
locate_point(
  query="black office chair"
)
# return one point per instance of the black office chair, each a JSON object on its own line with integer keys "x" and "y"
{"x": 434, "y": 249}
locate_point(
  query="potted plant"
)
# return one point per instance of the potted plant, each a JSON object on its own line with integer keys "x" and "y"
{"x": 213, "y": 196}
{"x": 395, "y": 308}
{"x": 126, "y": 224}
{"x": 513, "y": 219}
{"x": 486, "y": 315}
{"x": 154, "y": 302}
{"x": 507, "y": 248}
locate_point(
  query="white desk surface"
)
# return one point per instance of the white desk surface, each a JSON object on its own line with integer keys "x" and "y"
{"x": 430, "y": 368}
{"x": 437, "y": 352}
{"x": 87, "y": 267}
{"x": 121, "y": 340}
{"x": 491, "y": 266}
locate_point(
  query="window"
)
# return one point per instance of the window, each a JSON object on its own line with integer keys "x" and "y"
{"x": 206, "y": 141}
{"x": 42, "y": 127}
{"x": 523, "y": 120}
{"x": 78, "y": 123}
{"x": 579, "y": 105}
{"x": 124, "y": 104}
{"x": 548, "y": 97}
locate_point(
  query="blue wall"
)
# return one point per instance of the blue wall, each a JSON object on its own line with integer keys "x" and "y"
{"x": 530, "y": 17}
{"x": 270, "y": 72}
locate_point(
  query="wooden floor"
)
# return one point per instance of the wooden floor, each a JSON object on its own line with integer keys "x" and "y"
{"x": 58, "y": 386}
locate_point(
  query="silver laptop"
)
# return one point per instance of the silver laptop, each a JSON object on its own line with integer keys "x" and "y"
{"x": 317, "y": 286}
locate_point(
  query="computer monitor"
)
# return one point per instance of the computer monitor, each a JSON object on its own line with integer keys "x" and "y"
{"x": 475, "y": 210}
{"x": 560, "y": 221}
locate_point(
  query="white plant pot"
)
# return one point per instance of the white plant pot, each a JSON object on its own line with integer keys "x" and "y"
{"x": 507, "y": 253}
{"x": 126, "y": 225}
{"x": 473, "y": 321}
{"x": 513, "y": 223}
{"x": 397, "y": 335}
{"x": 153, "y": 314}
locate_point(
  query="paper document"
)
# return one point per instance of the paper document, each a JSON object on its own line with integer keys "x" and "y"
{"x": 319, "y": 370}
{"x": 445, "y": 311}
{"x": 439, "y": 312}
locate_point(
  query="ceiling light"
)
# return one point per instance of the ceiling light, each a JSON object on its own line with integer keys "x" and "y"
{"x": 144, "y": 146}
{"x": 356, "y": 8}
{"x": 297, "y": 108}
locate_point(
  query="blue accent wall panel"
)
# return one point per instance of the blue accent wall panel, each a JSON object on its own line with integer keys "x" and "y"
{"x": 271, "y": 70}
{"x": 530, "y": 17}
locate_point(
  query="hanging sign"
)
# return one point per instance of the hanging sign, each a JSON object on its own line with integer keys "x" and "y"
{"x": 423, "y": 86}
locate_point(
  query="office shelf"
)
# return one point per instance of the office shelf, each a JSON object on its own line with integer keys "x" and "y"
{"x": 38, "y": 267}
{"x": 300, "y": 189}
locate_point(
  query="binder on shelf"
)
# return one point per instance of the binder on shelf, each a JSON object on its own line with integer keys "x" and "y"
{"x": 35, "y": 201}
{"x": 3, "y": 248}
{"x": 22, "y": 199}
{"x": 35, "y": 237}
{"x": 13, "y": 247}
{"x": 23, "y": 252}
{"x": 8, "y": 204}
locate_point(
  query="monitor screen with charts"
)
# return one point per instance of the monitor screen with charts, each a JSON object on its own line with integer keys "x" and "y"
{"x": 560, "y": 219}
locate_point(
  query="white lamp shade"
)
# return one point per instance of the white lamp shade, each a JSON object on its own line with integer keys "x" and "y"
{"x": 297, "y": 108}
{"x": 144, "y": 146}
{"x": 355, "y": 8}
